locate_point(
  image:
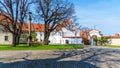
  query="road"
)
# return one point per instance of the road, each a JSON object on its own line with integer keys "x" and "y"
{"x": 91, "y": 57}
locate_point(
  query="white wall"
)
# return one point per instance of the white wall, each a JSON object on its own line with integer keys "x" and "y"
{"x": 57, "y": 38}
{"x": 69, "y": 33}
{"x": 2, "y": 38}
{"x": 114, "y": 41}
{"x": 40, "y": 36}
{"x": 93, "y": 33}
{"x": 73, "y": 40}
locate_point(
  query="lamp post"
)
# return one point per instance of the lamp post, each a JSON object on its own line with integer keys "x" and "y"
{"x": 29, "y": 35}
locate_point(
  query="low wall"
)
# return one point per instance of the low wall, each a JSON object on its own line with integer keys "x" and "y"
{"x": 114, "y": 41}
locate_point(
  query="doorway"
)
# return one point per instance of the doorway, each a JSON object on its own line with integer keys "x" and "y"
{"x": 94, "y": 42}
{"x": 67, "y": 41}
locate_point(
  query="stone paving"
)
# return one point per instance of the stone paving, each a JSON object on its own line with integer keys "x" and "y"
{"x": 91, "y": 57}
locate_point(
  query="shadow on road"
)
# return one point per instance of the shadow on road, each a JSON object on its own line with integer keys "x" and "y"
{"x": 54, "y": 62}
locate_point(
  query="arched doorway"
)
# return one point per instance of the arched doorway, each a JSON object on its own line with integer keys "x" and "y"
{"x": 94, "y": 42}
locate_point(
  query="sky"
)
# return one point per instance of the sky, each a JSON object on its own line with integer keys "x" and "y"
{"x": 104, "y": 15}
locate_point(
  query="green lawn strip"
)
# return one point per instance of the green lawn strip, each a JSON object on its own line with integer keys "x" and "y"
{"x": 111, "y": 46}
{"x": 40, "y": 47}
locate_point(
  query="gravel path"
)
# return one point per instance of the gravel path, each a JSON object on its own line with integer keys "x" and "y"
{"x": 81, "y": 58}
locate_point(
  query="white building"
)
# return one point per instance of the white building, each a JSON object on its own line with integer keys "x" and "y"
{"x": 62, "y": 37}
{"x": 5, "y": 37}
{"x": 92, "y": 34}
{"x": 65, "y": 36}
{"x": 115, "y": 40}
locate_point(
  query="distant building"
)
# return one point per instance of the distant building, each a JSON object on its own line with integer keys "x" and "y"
{"x": 88, "y": 35}
{"x": 115, "y": 40}
{"x": 63, "y": 36}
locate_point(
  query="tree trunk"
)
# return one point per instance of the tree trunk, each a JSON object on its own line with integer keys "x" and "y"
{"x": 17, "y": 39}
{"x": 14, "y": 40}
{"x": 46, "y": 38}
{"x": 29, "y": 43}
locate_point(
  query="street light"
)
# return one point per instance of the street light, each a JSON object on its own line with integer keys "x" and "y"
{"x": 29, "y": 36}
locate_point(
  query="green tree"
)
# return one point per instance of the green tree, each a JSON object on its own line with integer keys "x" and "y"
{"x": 25, "y": 35}
{"x": 96, "y": 39}
{"x": 101, "y": 40}
{"x": 104, "y": 40}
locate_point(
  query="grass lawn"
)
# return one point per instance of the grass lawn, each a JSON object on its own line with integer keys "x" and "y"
{"x": 40, "y": 47}
{"x": 111, "y": 46}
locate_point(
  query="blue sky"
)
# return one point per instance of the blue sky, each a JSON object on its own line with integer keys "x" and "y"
{"x": 104, "y": 14}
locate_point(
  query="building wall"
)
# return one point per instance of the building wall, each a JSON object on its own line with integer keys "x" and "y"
{"x": 66, "y": 32}
{"x": 2, "y": 38}
{"x": 40, "y": 36}
{"x": 54, "y": 38}
{"x": 57, "y": 37}
{"x": 92, "y": 34}
{"x": 59, "y": 40}
{"x": 72, "y": 40}
{"x": 114, "y": 41}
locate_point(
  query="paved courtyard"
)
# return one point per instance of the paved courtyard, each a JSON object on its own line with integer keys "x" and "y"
{"x": 91, "y": 57}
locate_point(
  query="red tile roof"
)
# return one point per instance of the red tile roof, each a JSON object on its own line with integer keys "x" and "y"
{"x": 63, "y": 24}
{"x": 34, "y": 27}
{"x": 40, "y": 27}
{"x": 25, "y": 27}
{"x": 3, "y": 18}
{"x": 116, "y": 36}
{"x": 84, "y": 34}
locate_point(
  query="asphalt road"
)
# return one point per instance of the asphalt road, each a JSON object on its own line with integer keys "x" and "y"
{"x": 91, "y": 57}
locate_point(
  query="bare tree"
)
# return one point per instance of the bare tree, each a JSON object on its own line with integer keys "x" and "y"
{"x": 53, "y": 13}
{"x": 14, "y": 13}
{"x": 69, "y": 24}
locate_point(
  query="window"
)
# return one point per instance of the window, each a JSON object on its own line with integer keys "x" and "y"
{"x": 6, "y": 38}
